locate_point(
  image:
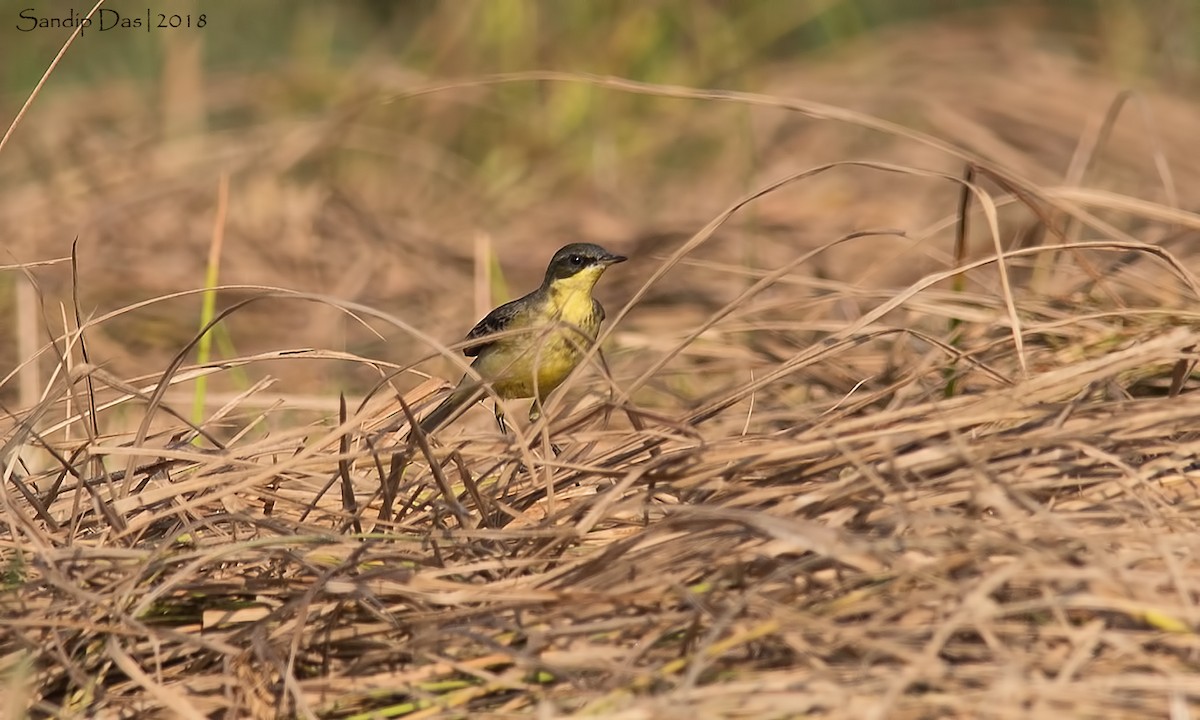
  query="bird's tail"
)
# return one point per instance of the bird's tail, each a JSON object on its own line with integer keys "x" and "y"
{"x": 457, "y": 402}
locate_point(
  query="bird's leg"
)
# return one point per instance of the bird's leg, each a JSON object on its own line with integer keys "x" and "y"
{"x": 500, "y": 419}
{"x": 535, "y": 412}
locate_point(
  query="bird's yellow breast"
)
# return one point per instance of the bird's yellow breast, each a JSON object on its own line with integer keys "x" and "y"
{"x": 560, "y": 329}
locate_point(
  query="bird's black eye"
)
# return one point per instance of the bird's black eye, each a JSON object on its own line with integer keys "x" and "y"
{"x": 576, "y": 260}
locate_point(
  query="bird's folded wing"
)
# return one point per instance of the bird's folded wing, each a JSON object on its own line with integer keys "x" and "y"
{"x": 501, "y": 319}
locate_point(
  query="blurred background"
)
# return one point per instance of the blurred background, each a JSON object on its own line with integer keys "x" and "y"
{"x": 435, "y": 206}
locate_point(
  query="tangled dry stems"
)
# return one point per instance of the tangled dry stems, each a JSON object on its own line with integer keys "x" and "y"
{"x": 1024, "y": 548}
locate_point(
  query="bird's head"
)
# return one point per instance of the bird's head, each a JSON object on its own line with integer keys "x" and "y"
{"x": 580, "y": 263}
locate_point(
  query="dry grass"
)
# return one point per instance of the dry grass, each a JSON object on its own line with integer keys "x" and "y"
{"x": 861, "y": 475}
{"x": 1024, "y": 550}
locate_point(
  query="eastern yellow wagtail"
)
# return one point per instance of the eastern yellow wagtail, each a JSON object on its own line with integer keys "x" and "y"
{"x": 554, "y": 327}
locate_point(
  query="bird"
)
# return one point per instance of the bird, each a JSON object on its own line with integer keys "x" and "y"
{"x": 527, "y": 347}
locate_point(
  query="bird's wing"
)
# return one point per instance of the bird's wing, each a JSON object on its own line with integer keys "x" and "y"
{"x": 503, "y": 318}
{"x": 599, "y": 310}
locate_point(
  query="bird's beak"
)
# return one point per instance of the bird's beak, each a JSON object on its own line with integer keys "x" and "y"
{"x": 613, "y": 260}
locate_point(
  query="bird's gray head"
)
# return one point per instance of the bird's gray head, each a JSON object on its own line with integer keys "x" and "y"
{"x": 575, "y": 258}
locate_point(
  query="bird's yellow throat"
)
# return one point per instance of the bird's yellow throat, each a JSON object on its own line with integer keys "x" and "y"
{"x": 571, "y": 297}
